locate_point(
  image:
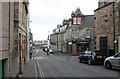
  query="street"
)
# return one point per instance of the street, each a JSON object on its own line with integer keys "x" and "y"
{"x": 59, "y": 65}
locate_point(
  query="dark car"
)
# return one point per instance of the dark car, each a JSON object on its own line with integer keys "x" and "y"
{"x": 45, "y": 49}
{"x": 90, "y": 57}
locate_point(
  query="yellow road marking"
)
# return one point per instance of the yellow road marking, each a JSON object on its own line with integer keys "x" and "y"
{"x": 37, "y": 52}
{"x": 40, "y": 70}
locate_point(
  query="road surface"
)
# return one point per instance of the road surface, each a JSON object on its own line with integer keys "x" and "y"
{"x": 57, "y": 65}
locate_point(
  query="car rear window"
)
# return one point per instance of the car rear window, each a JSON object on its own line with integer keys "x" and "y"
{"x": 88, "y": 52}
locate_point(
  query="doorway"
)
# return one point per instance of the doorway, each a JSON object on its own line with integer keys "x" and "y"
{"x": 20, "y": 62}
{"x": 104, "y": 46}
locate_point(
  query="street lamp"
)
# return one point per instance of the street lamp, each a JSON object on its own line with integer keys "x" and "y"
{"x": 116, "y": 45}
{"x": 115, "y": 41}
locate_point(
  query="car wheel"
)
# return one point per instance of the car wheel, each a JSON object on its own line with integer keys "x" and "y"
{"x": 108, "y": 65}
{"x": 89, "y": 61}
{"x": 80, "y": 61}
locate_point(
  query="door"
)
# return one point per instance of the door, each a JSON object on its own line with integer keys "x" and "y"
{"x": 20, "y": 61}
{"x": 1, "y": 71}
{"x": 104, "y": 46}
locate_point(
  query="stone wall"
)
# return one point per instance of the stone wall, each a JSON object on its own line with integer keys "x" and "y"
{"x": 9, "y": 37}
{"x": 104, "y": 25}
{"x": 53, "y": 41}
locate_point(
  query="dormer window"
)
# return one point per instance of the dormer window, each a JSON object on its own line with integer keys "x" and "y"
{"x": 76, "y": 17}
{"x": 79, "y": 20}
{"x": 74, "y": 20}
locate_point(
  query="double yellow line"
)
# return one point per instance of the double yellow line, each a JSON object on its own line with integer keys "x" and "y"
{"x": 40, "y": 70}
{"x": 39, "y": 67}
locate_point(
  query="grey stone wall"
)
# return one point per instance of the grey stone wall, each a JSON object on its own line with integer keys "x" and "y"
{"x": 9, "y": 41}
{"x": 53, "y": 41}
{"x": 107, "y": 21}
{"x": 104, "y": 25}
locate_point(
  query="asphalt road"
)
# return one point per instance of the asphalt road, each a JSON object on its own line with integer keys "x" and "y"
{"x": 56, "y": 65}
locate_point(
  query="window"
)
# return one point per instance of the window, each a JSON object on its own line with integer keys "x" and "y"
{"x": 87, "y": 33}
{"x": 118, "y": 55}
{"x": 74, "y": 20}
{"x": 95, "y": 47}
{"x": 79, "y": 21}
{"x": 94, "y": 17}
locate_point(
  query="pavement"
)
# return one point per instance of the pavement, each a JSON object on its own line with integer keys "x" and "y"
{"x": 30, "y": 69}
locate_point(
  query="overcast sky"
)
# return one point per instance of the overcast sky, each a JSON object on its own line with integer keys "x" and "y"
{"x": 46, "y": 14}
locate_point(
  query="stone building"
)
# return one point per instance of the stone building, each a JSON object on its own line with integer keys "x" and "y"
{"x": 61, "y": 41}
{"x": 53, "y": 41}
{"x": 79, "y": 33}
{"x": 57, "y": 38}
{"x": 107, "y": 26}
{"x": 13, "y": 37}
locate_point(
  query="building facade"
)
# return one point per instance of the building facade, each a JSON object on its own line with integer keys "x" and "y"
{"x": 74, "y": 35}
{"x": 79, "y": 33}
{"x": 107, "y": 21}
{"x": 57, "y": 38}
{"x": 53, "y": 41}
{"x": 13, "y": 37}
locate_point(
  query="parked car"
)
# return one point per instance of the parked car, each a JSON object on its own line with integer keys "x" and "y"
{"x": 51, "y": 51}
{"x": 45, "y": 49}
{"x": 90, "y": 57}
{"x": 112, "y": 61}
{"x": 33, "y": 47}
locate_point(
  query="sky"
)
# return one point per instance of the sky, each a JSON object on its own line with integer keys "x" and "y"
{"x": 45, "y": 15}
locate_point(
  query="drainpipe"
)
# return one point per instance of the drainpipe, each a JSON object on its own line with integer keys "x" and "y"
{"x": 114, "y": 27}
{"x": 9, "y": 53}
{"x": 28, "y": 35}
{"x": 57, "y": 42}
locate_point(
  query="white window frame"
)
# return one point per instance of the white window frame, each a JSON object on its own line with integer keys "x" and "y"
{"x": 78, "y": 20}
{"x": 74, "y": 20}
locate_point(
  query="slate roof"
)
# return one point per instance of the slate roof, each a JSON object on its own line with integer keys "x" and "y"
{"x": 87, "y": 22}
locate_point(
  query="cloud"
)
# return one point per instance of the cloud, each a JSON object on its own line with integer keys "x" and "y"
{"x": 46, "y": 14}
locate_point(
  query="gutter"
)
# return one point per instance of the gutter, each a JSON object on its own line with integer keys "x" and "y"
{"x": 9, "y": 26}
{"x": 9, "y": 43}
